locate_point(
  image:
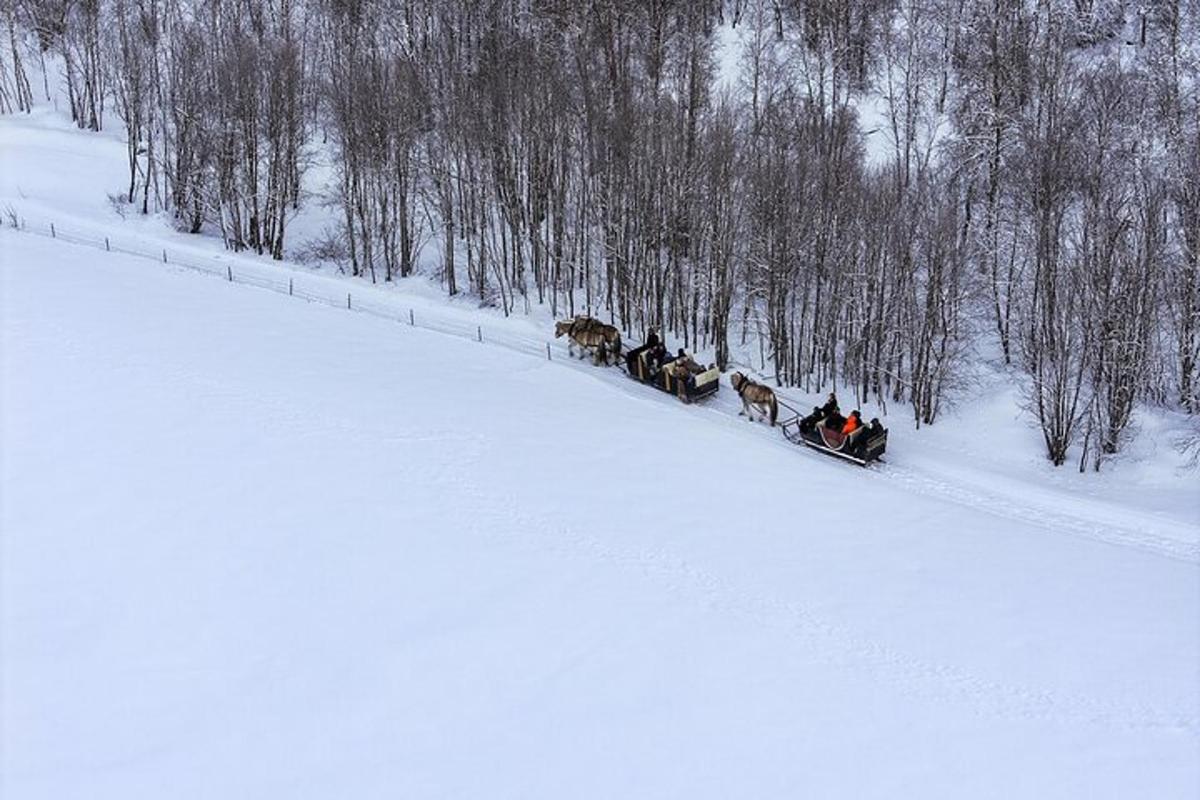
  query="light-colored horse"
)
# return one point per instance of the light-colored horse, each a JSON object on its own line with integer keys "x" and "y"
{"x": 755, "y": 395}
{"x": 591, "y": 335}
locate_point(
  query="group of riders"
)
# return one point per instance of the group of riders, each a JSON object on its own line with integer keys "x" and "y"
{"x": 681, "y": 366}
{"x": 829, "y": 416}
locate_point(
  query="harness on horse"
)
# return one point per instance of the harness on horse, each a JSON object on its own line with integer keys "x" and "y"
{"x": 585, "y": 326}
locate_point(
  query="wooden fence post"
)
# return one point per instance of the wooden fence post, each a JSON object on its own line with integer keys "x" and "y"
{"x": 411, "y": 319}
{"x": 289, "y": 287}
{"x": 164, "y": 256}
{"x": 107, "y": 247}
{"x": 548, "y": 358}
{"x": 229, "y": 272}
{"x": 53, "y": 235}
{"x": 347, "y": 299}
{"x": 479, "y": 332}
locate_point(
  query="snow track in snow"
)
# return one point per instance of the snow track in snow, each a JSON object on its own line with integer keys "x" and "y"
{"x": 836, "y": 644}
{"x": 1137, "y": 532}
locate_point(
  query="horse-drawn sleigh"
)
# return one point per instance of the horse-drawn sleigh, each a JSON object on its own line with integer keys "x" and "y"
{"x": 678, "y": 374}
{"x": 825, "y": 429}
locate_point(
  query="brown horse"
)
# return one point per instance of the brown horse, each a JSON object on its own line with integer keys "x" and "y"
{"x": 590, "y": 334}
{"x": 756, "y": 395}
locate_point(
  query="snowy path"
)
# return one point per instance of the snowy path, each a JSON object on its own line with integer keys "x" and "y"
{"x": 254, "y": 547}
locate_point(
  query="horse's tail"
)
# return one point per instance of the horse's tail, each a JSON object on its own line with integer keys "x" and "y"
{"x": 617, "y": 344}
{"x": 774, "y": 408}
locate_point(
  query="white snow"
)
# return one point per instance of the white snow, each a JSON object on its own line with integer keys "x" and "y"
{"x": 255, "y": 547}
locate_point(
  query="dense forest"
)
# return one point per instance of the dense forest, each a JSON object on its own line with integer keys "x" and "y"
{"x": 1038, "y": 202}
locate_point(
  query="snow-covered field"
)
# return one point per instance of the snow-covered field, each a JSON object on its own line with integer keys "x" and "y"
{"x": 255, "y": 547}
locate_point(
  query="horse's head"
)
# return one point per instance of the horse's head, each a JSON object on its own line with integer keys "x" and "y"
{"x": 737, "y": 379}
{"x": 560, "y": 328}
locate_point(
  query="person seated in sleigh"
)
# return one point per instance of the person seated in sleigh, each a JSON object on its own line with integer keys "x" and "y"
{"x": 683, "y": 366}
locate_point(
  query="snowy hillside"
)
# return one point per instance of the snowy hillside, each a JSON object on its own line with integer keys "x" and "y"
{"x": 55, "y": 175}
{"x": 255, "y": 547}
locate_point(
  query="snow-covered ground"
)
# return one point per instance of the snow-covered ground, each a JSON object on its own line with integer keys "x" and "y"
{"x": 257, "y": 548}
{"x": 254, "y": 547}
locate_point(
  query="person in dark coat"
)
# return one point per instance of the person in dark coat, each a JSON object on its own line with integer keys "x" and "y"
{"x": 656, "y": 353}
{"x": 831, "y": 406}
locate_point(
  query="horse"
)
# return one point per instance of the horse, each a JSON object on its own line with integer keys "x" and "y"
{"x": 756, "y": 395}
{"x": 590, "y": 334}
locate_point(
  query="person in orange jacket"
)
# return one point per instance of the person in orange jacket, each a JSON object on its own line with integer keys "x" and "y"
{"x": 853, "y": 422}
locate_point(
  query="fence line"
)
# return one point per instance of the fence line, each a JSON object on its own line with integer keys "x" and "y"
{"x": 291, "y": 286}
